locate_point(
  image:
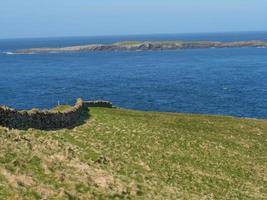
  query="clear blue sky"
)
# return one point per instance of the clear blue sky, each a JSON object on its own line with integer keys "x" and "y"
{"x": 46, "y": 18}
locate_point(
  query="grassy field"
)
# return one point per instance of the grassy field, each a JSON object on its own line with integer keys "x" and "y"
{"x": 124, "y": 154}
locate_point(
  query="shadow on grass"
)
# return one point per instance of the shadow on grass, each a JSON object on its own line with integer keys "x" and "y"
{"x": 85, "y": 115}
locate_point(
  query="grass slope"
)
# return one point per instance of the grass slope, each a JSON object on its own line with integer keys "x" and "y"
{"x": 137, "y": 155}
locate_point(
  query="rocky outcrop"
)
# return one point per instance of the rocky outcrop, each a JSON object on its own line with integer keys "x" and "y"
{"x": 49, "y": 119}
{"x": 144, "y": 46}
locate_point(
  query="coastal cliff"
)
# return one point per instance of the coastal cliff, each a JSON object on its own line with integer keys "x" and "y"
{"x": 144, "y": 46}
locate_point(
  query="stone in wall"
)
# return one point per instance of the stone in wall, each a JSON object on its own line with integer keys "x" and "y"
{"x": 49, "y": 119}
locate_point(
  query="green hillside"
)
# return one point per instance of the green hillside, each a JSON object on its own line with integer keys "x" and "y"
{"x": 125, "y": 154}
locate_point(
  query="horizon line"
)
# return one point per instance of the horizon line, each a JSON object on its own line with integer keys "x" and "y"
{"x": 145, "y": 34}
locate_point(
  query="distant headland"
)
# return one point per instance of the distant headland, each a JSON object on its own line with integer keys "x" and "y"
{"x": 145, "y": 46}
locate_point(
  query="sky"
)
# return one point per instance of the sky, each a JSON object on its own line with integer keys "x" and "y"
{"x": 53, "y": 18}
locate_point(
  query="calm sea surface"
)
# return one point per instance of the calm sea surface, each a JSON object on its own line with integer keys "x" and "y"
{"x": 208, "y": 81}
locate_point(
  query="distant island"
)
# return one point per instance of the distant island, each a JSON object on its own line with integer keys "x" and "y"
{"x": 145, "y": 46}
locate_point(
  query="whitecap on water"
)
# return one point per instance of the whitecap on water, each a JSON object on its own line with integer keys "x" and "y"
{"x": 8, "y": 53}
{"x": 12, "y": 53}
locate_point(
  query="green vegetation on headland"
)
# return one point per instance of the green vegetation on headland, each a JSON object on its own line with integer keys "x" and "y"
{"x": 147, "y": 45}
{"x": 125, "y": 154}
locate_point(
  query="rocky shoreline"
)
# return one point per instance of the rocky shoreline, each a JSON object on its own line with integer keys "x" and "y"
{"x": 145, "y": 46}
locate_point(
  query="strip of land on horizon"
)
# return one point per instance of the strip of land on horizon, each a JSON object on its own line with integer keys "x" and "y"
{"x": 145, "y": 46}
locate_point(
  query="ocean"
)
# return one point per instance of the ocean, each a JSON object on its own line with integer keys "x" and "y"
{"x": 205, "y": 81}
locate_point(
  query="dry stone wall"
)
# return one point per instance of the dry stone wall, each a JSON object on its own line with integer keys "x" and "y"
{"x": 103, "y": 104}
{"x": 48, "y": 119}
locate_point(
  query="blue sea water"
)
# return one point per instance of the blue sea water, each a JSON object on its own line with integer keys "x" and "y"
{"x": 208, "y": 81}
